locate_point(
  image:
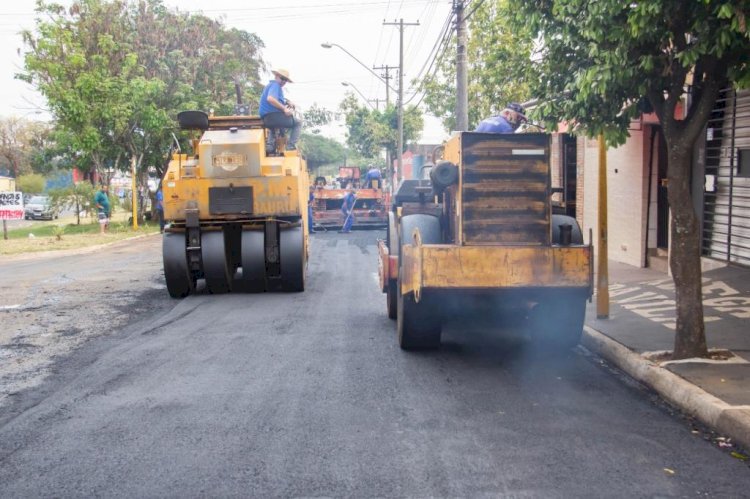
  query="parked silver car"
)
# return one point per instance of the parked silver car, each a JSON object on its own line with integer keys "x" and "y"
{"x": 38, "y": 208}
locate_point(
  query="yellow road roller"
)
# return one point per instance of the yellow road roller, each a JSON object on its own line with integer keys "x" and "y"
{"x": 479, "y": 238}
{"x": 236, "y": 216}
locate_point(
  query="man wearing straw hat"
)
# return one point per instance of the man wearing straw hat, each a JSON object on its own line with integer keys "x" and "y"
{"x": 278, "y": 112}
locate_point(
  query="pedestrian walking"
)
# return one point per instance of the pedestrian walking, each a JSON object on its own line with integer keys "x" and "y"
{"x": 103, "y": 209}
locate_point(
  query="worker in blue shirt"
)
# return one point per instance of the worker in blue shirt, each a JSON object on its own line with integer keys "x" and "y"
{"x": 347, "y": 208}
{"x": 277, "y": 112}
{"x": 160, "y": 208}
{"x": 310, "y": 225}
{"x": 507, "y": 121}
{"x": 373, "y": 174}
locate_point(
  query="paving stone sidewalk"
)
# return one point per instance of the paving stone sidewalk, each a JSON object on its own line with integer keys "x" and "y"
{"x": 642, "y": 321}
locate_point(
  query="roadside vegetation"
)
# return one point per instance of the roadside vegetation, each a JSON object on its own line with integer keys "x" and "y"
{"x": 65, "y": 233}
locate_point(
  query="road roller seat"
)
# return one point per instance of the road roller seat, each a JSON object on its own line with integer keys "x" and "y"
{"x": 193, "y": 120}
{"x": 275, "y": 139}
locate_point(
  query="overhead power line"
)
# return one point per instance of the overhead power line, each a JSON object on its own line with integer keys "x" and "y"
{"x": 478, "y": 4}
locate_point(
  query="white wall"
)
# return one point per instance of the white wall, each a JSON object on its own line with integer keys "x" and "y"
{"x": 627, "y": 192}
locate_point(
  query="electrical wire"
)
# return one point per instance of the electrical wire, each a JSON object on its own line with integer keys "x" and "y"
{"x": 478, "y": 4}
{"x": 439, "y": 50}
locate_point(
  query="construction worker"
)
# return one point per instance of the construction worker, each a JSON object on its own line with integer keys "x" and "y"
{"x": 347, "y": 208}
{"x": 277, "y": 112}
{"x": 373, "y": 174}
{"x": 507, "y": 121}
{"x": 310, "y": 225}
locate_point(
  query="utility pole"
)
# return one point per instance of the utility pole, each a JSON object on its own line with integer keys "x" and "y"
{"x": 387, "y": 77}
{"x": 462, "y": 99}
{"x": 400, "y": 151}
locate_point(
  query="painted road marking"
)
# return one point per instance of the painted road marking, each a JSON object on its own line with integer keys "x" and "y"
{"x": 718, "y": 297}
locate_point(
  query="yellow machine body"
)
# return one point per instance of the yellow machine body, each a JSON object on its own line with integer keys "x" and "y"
{"x": 481, "y": 235}
{"x": 237, "y": 215}
{"x": 500, "y": 216}
{"x": 234, "y": 159}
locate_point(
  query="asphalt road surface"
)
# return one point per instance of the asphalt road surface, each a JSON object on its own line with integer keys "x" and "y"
{"x": 309, "y": 395}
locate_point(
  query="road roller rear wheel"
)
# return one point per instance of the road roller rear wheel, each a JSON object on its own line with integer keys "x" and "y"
{"x": 391, "y": 300}
{"x": 253, "y": 260}
{"x": 292, "y": 248}
{"x": 393, "y": 249}
{"x": 179, "y": 279}
{"x": 215, "y": 265}
{"x": 419, "y": 324}
{"x": 557, "y": 322}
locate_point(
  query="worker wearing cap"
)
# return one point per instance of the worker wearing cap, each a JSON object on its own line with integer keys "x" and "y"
{"x": 507, "y": 121}
{"x": 373, "y": 174}
{"x": 347, "y": 208}
{"x": 278, "y": 112}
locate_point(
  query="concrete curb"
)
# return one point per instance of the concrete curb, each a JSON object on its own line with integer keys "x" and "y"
{"x": 730, "y": 421}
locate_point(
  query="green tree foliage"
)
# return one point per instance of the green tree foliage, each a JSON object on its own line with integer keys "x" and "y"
{"x": 43, "y": 155}
{"x": 321, "y": 151}
{"x": 78, "y": 197}
{"x": 315, "y": 117}
{"x": 599, "y": 60}
{"x": 497, "y": 52}
{"x": 369, "y": 131}
{"x": 33, "y": 183}
{"x": 115, "y": 74}
{"x": 21, "y": 144}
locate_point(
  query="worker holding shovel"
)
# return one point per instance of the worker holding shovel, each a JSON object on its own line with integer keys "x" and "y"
{"x": 347, "y": 208}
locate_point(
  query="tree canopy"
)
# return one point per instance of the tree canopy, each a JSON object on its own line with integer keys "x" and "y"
{"x": 498, "y": 52}
{"x": 599, "y": 62}
{"x": 369, "y": 131}
{"x": 115, "y": 74}
{"x": 321, "y": 151}
{"x": 23, "y": 145}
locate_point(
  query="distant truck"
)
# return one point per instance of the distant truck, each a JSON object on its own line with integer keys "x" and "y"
{"x": 370, "y": 208}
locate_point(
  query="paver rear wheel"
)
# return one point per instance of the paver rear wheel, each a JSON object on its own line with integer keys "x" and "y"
{"x": 391, "y": 300}
{"x": 557, "y": 321}
{"x": 576, "y": 236}
{"x": 393, "y": 249}
{"x": 419, "y": 324}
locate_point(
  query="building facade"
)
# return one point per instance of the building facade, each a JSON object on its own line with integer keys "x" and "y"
{"x": 638, "y": 211}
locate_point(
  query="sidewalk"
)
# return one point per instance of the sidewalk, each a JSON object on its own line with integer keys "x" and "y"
{"x": 642, "y": 320}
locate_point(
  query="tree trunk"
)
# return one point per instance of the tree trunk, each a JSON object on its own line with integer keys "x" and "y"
{"x": 684, "y": 261}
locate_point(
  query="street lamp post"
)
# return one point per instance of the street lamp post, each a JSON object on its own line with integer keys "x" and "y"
{"x": 387, "y": 86}
{"x": 330, "y": 45}
{"x": 367, "y": 101}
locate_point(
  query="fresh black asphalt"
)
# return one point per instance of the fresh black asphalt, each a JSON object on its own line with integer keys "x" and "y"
{"x": 309, "y": 395}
